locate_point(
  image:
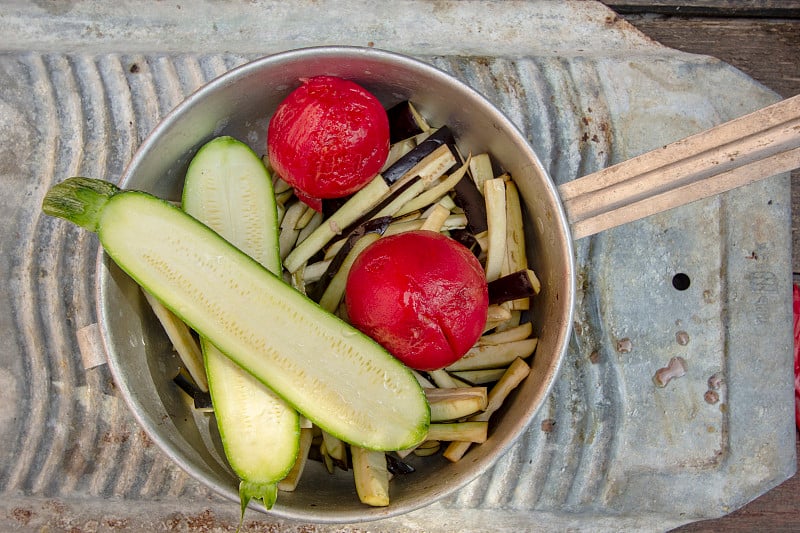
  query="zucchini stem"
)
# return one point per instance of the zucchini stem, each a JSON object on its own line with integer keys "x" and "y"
{"x": 79, "y": 200}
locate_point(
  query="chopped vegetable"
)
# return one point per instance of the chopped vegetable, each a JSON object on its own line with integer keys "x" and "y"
{"x": 516, "y": 255}
{"x": 405, "y": 121}
{"x": 512, "y": 377}
{"x": 520, "y": 284}
{"x": 376, "y": 227}
{"x": 494, "y": 191}
{"x": 474, "y": 431}
{"x": 494, "y": 355}
{"x": 516, "y": 333}
{"x": 429, "y": 159}
{"x": 289, "y": 483}
{"x": 359, "y": 203}
{"x": 480, "y": 167}
{"x": 371, "y": 476}
{"x": 455, "y": 403}
{"x": 183, "y": 341}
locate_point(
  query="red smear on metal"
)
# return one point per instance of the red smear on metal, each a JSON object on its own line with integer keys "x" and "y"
{"x": 796, "y": 308}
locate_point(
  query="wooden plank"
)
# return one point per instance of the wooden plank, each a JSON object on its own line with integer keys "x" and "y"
{"x": 766, "y": 50}
{"x": 727, "y": 8}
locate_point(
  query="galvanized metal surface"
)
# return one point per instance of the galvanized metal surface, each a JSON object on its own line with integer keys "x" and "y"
{"x": 610, "y": 451}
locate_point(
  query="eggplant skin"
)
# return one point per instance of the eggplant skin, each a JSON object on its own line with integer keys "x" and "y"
{"x": 401, "y": 167}
{"x": 402, "y": 123}
{"x": 511, "y": 287}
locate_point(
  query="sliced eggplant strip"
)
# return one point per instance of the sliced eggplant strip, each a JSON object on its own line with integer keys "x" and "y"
{"x": 434, "y": 193}
{"x": 466, "y": 238}
{"x": 422, "y": 380}
{"x": 335, "y": 290}
{"x": 517, "y": 333}
{"x": 376, "y": 226}
{"x": 442, "y": 379}
{"x": 494, "y": 355}
{"x": 297, "y": 279}
{"x": 279, "y": 185}
{"x": 450, "y": 223}
{"x": 436, "y": 218}
{"x": 495, "y": 193}
{"x": 480, "y": 377}
{"x": 201, "y": 399}
{"x": 480, "y": 168}
{"x": 497, "y": 313}
{"x": 311, "y": 226}
{"x": 515, "y": 230}
{"x": 456, "y": 450}
{"x": 472, "y": 431}
{"x": 405, "y": 121}
{"x": 294, "y": 213}
{"x": 520, "y": 284}
{"x": 398, "y": 150}
{"x": 289, "y": 483}
{"x": 396, "y": 466}
{"x": 182, "y": 340}
{"x": 470, "y": 199}
{"x": 371, "y": 476}
{"x": 335, "y": 447}
{"x": 305, "y": 217}
{"x": 483, "y": 241}
{"x": 388, "y": 205}
{"x": 512, "y": 377}
{"x": 429, "y": 159}
{"x": 289, "y": 230}
{"x": 427, "y": 451}
{"x": 516, "y": 255}
{"x": 357, "y": 205}
{"x": 326, "y": 458}
{"x": 283, "y": 198}
{"x": 455, "y": 403}
{"x": 314, "y": 271}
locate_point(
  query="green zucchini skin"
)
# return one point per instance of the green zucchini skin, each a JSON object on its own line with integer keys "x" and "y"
{"x": 334, "y": 375}
{"x": 228, "y": 188}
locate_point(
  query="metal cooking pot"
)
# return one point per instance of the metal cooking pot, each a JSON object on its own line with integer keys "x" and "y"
{"x": 239, "y": 104}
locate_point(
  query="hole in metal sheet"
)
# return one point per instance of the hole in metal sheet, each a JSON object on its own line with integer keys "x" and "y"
{"x": 681, "y": 281}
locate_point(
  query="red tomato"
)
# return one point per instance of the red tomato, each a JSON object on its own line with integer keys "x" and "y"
{"x": 328, "y": 138}
{"x": 421, "y": 295}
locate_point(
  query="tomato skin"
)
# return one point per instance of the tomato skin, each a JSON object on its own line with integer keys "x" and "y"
{"x": 328, "y": 137}
{"x": 421, "y": 295}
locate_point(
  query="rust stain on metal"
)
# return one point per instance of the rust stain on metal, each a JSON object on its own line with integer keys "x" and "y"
{"x": 23, "y": 516}
{"x": 675, "y": 368}
{"x": 711, "y": 396}
{"x": 716, "y": 381}
{"x": 624, "y": 345}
